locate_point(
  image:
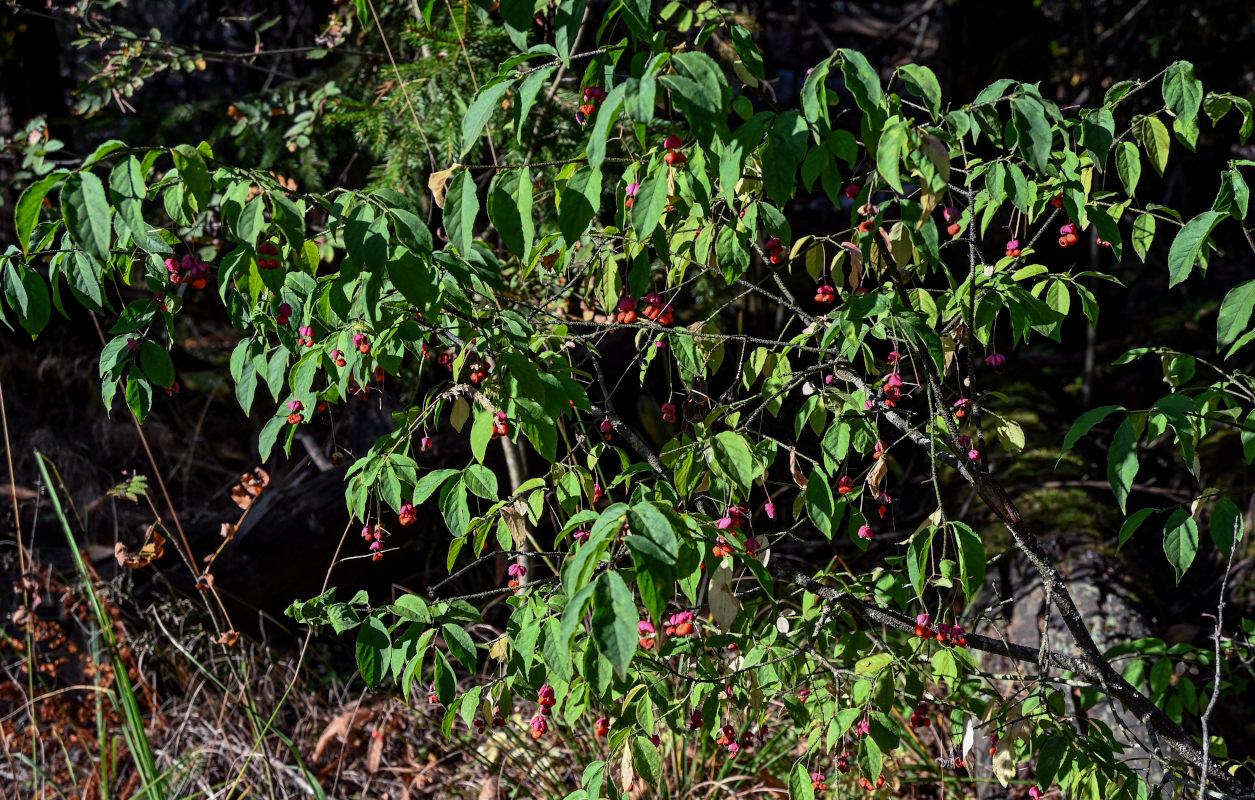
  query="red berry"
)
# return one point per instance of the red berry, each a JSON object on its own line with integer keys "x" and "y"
{"x": 953, "y": 229}
{"x": 675, "y": 158}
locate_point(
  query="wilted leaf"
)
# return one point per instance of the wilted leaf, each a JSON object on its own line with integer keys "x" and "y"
{"x": 152, "y": 549}
{"x": 877, "y": 474}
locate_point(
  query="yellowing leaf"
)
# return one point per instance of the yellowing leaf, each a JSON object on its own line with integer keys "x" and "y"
{"x": 438, "y": 181}
{"x": 499, "y": 649}
{"x": 460, "y": 414}
{"x": 723, "y": 603}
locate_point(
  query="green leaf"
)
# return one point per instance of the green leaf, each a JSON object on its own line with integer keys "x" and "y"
{"x": 1182, "y": 92}
{"x": 1153, "y": 136}
{"x": 653, "y": 532}
{"x": 430, "y": 482}
{"x": 1131, "y": 525}
{"x": 702, "y": 85}
{"x": 578, "y": 202}
{"x": 480, "y": 111}
{"x": 1033, "y": 130}
{"x": 87, "y": 213}
{"x": 249, "y": 224}
{"x": 446, "y": 681}
{"x": 289, "y": 215}
{"x": 917, "y": 552}
{"x": 461, "y": 206}
{"x": 1143, "y": 234}
{"x": 156, "y": 364}
{"x": 103, "y": 151}
{"x": 1235, "y": 313}
{"x": 510, "y": 210}
{"x": 814, "y": 93}
{"x": 269, "y": 433}
{"x": 646, "y": 759}
{"x": 871, "y": 759}
{"x": 820, "y": 506}
{"x": 1083, "y": 425}
{"x": 971, "y": 559}
{"x": 481, "y": 433}
{"x": 84, "y": 274}
{"x": 481, "y": 481}
{"x": 413, "y": 278}
{"x": 1227, "y": 526}
{"x": 28, "y": 296}
{"x": 30, "y": 203}
{"x": 1051, "y": 758}
{"x": 1129, "y": 166}
{"x": 889, "y": 152}
{"x": 862, "y": 80}
{"x": 195, "y": 175}
{"x": 374, "y": 650}
{"x": 412, "y": 232}
{"x": 246, "y": 388}
{"x": 733, "y": 256}
{"x": 607, "y": 115}
{"x": 1108, "y": 230}
{"x": 566, "y": 21}
{"x": 1234, "y": 195}
{"x": 126, "y": 188}
{"x": 800, "y": 786}
{"x": 526, "y": 97}
{"x": 1180, "y": 541}
{"x": 139, "y": 395}
{"x": 1098, "y": 130}
{"x": 614, "y": 621}
{"x": 732, "y": 457}
{"x": 1188, "y": 246}
{"x": 461, "y": 645}
{"x": 651, "y": 199}
{"x": 1122, "y": 462}
{"x": 923, "y": 83}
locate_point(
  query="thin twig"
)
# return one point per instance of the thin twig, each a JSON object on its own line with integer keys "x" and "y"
{"x": 1215, "y": 689}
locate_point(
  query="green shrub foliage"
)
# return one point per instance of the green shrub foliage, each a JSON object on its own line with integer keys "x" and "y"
{"x": 589, "y": 311}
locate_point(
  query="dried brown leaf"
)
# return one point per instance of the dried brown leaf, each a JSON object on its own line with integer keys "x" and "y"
{"x": 515, "y": 517}
{"x": 341, "y": 727}
{"x": 228, "y": 638}
{"x": 877, "y": 474}
{"x": 799, "y": 477}
{"x": 152, "y": 549}
{"x": 490, "y": 788}
{"x": 374, "y": 753}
